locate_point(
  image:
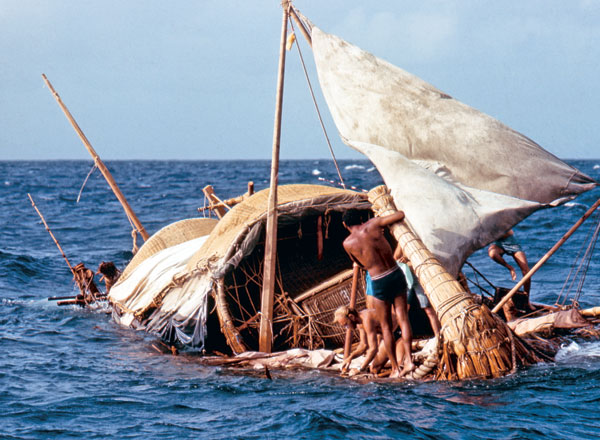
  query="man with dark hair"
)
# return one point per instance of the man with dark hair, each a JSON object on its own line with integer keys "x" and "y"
{"x": 110, "y": 274}
{"x": 368, "y": 247}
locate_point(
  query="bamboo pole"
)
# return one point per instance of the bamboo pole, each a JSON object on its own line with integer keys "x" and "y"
{"x": 81, "y": 288}
{"x": 301, "y": 25}
{"x": 216, "y": 204}
{"x": 349, "y": 330}
{"x": 268, "y": 287}
{"x": 107, "y": 175}
{"x": 591, "y": 312}
{"x": 228, "y": 204}
{"x": 545, "y": 258}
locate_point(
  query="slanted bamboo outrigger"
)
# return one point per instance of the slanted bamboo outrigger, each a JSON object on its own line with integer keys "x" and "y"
{"x": 545, "y": 258}
{"x": 83, "y": 277}
{"x": 98, "y": 163}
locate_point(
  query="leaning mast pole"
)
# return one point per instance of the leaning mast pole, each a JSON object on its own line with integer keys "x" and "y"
{"x": 268, "y": 287}
{"x": 107, "y": 175}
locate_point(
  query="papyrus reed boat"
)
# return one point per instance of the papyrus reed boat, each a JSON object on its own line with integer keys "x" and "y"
{"x": 461, "y": 177}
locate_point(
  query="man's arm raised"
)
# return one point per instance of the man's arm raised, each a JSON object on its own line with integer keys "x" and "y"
{"x": 386, "y": 220}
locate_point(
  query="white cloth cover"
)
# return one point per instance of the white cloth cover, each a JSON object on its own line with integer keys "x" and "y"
{"x": 183, "y": 308}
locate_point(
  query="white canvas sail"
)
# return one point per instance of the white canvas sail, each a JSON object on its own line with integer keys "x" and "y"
{"x": 450, "y": 218}
{"x": 462, "y": 177}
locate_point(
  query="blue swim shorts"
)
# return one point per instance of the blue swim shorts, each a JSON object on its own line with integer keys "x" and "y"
{"x": 388, "y": 285}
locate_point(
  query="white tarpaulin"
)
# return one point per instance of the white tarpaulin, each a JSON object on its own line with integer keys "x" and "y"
{"x": 183, "y": 306}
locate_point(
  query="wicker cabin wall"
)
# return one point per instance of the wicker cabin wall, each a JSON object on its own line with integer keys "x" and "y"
{"x": 321, "y": 307}
{"x": 298, "y": 256}
{"x": 299, "y": 268}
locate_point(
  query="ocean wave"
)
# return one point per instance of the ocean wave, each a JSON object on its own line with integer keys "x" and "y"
{"x": 354, "y": 167}
{"x": 576, "y": 205}
{"x": 597, "y": 167}
{"x": 316, "y": 172}
{"x": 579, "y": 352}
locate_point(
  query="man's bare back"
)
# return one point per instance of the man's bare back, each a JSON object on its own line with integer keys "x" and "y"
{"x": 367, "y": 246}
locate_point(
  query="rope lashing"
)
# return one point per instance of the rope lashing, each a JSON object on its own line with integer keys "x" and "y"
{"x": 312, "y": 94}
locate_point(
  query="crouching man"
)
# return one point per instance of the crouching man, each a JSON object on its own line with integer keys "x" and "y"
{"x": 367, "y": 323}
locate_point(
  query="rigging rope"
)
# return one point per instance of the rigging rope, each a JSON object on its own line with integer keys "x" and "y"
{"x": 476, "y": 283}
{"x": 86, "y": 179}
{"x": 312, "y": 94}
{"x": 134, "y": 230}
{"x": 582, "y": 267}
{"x": 588, "y": 259}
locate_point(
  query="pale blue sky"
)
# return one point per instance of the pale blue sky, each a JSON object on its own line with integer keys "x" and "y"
{"x": 196, "y": 79}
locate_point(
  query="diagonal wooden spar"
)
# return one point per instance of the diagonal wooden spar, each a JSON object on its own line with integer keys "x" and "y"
{"x": 107, "y": 175}
{"x": 75, "y": 277}
{"x": 547, "y": 256}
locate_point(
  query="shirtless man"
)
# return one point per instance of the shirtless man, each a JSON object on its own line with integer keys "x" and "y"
{"x": 507, "y": 244}
{"x": 110, "y": 274}
{"x": 368, "y": 327}
{"x": 368, "y": 247}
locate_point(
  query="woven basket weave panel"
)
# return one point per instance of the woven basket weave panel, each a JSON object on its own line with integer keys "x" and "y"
{"x": 171, "y": 235}
{"x": 253, "y": 209}
{"x": 322, "y": 306}
{"x": 298, "y": 267}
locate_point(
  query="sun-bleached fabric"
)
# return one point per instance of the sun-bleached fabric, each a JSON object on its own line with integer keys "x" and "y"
{"x": 184, "y": 303}
{"x": 462, "y": 177}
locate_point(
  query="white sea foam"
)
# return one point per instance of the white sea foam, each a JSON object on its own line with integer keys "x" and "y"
{"x": 370, "y": 170}
{"x": 577, "y": 352}
{"x": 354, "y": 167}
{"x": 316, "y": 172}
{"x": 597, "y": 167}
{"x": 576, "y": 205}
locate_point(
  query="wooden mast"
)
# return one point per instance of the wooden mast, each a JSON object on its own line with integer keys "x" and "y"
{"x": 476, "y": 342}
{"x": 268, "y": 287}
{"x": 130, "y": 214}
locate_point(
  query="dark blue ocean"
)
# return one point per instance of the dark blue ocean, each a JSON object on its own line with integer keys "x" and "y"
{"x": 67, "y": 372}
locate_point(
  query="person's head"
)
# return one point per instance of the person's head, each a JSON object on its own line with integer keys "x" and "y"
{"x": 345, "y": 316}
{"x": 352, "y": 217}
{"x": 108, "y": 269}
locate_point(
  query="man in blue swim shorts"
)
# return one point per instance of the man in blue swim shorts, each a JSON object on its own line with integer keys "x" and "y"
{"x": 507, "y": 244}
{"x": 368, "y": 247}
{"x": 415, "y": 294}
